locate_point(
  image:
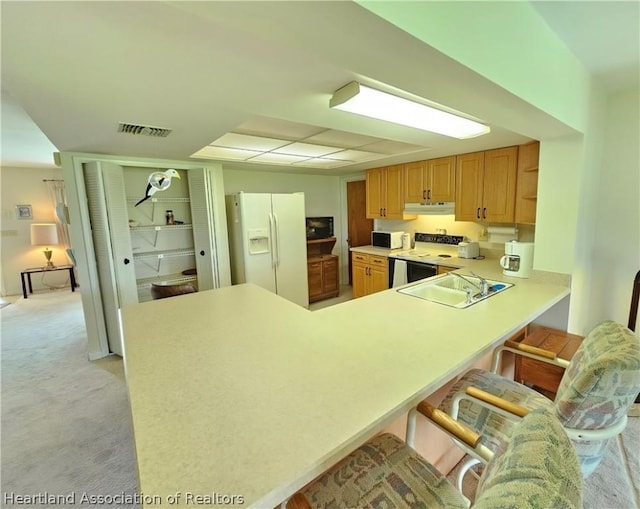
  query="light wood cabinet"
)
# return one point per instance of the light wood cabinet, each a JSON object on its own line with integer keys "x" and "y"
{"x": 385, "y": 199}
{"x": 486, "y": 186}
{"x": 322, "y": 269}
{"x": 430, "y": 181}
{"x": 545, "y": 378}
{"x": 323, "y": 277}
{"x": 527, "y": 183}
{"x": 369, "y": 274}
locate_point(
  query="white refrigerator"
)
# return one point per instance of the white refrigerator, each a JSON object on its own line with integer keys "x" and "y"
{"x": 268, "y": 243}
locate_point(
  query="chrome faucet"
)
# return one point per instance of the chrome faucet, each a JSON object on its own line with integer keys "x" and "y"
{"x": 465, "y": 279}
{"x": 483, "y": 287}
{"x": 469, "y": 291}
{"x": 484, "y": 284}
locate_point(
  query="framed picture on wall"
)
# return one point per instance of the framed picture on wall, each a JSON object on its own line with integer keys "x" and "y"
{"x": 24, "y": 212}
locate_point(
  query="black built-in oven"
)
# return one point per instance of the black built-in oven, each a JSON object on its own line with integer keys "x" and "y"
{"x": 415, "y": 270}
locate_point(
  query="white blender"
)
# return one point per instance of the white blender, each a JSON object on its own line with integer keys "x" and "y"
{"x": 518, "y": 259}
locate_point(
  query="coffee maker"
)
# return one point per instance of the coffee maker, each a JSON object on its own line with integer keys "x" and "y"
{"x": 518, "y": 259}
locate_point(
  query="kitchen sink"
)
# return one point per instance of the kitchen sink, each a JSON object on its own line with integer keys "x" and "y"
{"x": 454, "y": 290}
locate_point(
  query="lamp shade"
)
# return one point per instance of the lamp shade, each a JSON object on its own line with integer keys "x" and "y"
{"x": 44, "y": 234}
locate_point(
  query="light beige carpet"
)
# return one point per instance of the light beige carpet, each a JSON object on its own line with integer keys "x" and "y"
{"x": 65, "y": 421}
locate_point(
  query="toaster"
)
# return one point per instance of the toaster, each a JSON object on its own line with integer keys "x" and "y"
{"x": 468, "y": 249}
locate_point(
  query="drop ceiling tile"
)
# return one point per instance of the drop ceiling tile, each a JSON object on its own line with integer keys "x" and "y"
{"x": 389, "y": 147}
{"x": 355, "y": 155}
{"x": 225, "y": 153}
{"x": 270, "y": 157}
{"x": 321, "y": 162}
{"x": 243, "y": 141}
{"x": 275, "y": 128}
{"x": 342, "y": 139}
{"x": 306, "y": 149}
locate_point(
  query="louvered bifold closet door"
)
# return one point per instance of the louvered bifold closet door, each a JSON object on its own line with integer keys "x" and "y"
{"x": 113, "y": 179}
{"x": 200, "y": 198}
{"x": 105, "y": 261}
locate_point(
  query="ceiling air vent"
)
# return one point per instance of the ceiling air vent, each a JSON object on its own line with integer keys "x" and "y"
{"x": 145, "y": 130}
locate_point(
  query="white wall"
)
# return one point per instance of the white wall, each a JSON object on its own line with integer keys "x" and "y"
{"x": 557, "y": 209}
{"x": 507, "y": 42}
{"x": 20, "y": 186}
{"x": 321, "y": 194}
{"x": 616, "y": 226}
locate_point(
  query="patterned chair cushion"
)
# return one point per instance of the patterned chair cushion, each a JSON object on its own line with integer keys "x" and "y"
{"x": 602, "y": 380}
{"x": 596, "y": 391}
{"x": 493, "y": 428}
{"x": 383, "y": 473}
{"x": 600, "y": 384}
{"x": 538, "y": 469}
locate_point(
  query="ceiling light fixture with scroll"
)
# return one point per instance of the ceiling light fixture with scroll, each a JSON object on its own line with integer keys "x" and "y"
{"x": 369, "y": 102}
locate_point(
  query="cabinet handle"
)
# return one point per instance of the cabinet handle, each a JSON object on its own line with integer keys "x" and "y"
{"x": 380, "y": 211}
{"x": 201, "y": 253}
{"x": 127, "y": 261}
{"x": 484, "y": 213}
{"x": 428, "y": 194}
{"x": 478, "y": 213}
{"x": 385, "y": 212}
{"x": 424, "y": 194}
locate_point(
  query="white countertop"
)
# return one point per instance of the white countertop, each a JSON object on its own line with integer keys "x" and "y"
{"x": 237, "y": 391}
{"x": 452, "y": 261}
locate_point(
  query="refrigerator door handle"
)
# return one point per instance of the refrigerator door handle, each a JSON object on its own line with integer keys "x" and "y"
{"x": 272, "y": 233}
{"x": 277, "y": 239}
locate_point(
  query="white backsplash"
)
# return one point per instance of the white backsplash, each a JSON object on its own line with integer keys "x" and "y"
{"x": 433, "y": 223}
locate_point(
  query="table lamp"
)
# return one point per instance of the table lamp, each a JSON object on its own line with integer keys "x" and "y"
{"x": 45, "y": 235}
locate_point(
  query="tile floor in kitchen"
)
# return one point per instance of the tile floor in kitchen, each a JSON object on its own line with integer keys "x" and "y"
{"x": 345, "y": 295}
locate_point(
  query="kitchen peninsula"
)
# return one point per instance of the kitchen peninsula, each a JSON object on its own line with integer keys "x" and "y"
{"x": 238, "y": 392}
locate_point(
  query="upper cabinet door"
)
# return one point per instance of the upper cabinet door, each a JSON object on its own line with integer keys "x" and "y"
{"x": 442, "y": 179}
{"x": 415, "y": 182}
{"x": 499, "y": 189}
{"x": 375, "y": 192}
{"x": 469, "y": 178}
{"x": 394, "y": 193}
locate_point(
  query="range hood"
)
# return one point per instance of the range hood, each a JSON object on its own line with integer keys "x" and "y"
{"x": 437, "y": 208}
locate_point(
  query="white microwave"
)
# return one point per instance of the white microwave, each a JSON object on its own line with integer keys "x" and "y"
{"x": 390, "y": 240}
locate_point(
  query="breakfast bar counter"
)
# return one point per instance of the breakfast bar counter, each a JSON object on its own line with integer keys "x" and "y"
{"x": 239, "y": 394}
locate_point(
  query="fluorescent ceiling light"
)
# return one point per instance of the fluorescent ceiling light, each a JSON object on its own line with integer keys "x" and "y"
{"x": 362, "y": 100}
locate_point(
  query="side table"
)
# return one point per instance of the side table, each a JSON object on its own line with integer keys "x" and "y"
{"x": 542, "y": 376}
{"x": 28, "y": 272}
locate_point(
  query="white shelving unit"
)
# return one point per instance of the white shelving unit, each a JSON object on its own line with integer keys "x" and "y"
{"x": 161, "y": 251}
